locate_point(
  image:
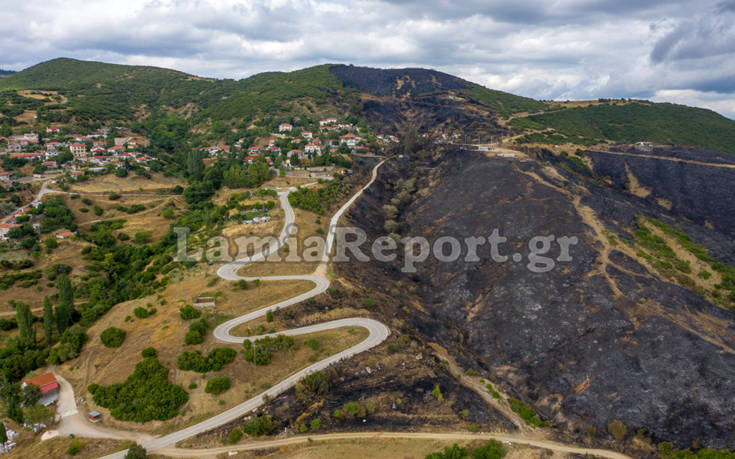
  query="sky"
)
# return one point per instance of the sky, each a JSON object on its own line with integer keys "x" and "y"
{"x": 679, "y": 51}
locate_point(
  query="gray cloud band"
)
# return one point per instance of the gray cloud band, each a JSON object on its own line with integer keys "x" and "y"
{"x": 351, "y": 244}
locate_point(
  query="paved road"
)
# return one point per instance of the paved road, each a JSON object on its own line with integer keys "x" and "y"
{"x": 377, "y": 332}
{"x": 41, "y": 193}
{"x": 448, "y": 436}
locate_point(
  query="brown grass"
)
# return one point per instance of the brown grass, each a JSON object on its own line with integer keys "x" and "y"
{"x": 31, "y": 446}
{"x": 108, "y": 183}
{"x": 165, "y": 331}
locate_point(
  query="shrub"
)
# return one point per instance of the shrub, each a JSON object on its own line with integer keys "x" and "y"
{"x": 258, "y": 426}
{"x": 450, "y": 452}
{"x": 315, "y": 424}
{"x": 75, "y": 447}
{"x": 142, "y": 313}
{"x": 214, "y": 361}
{"x": 261, "y": 351}
{"x": 113, "y": 337}
{"x": 196, "y": 332}
{"x": 146, "y": 394}
{"x": 312, "y": 387}
{"x": 189, "y": 312}
{"x": 393, "y": 347}
{"x": 527, "y": 413}
{"x": 303, "y": 427}
{"x": 493, "y": 449}
{"x": 618, "y": 430}
{"x": 136, "y": 452}
{"x": 269, "y": 316}
{"x": 143, "y": 237}
{"x": 338, "y": 414}
{"x": 235, "y": 436}
{"x": 149, "y": 352}
{"x": 369, "y": 304}
{"x": 217, "y": 385}
{"x": 437, "y": 393}
{"x": 354, "y": 410}
{"x": 113, "y": 196}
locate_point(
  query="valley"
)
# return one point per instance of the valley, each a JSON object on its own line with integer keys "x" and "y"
{"x": 126, "y": 273}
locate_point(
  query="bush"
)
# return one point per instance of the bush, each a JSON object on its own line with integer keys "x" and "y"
{"x": 146, "y": 394}
{"x": 258, "y": 426}
{"x": 261, "y": 351}
{"x": 113, "y": 196}
{"x": 143, "y": 237}
{"x": 437, "y": 393}
{"x": 315, "y": 424}
{"x": 450, "y": 452}
{"x": 75, "y": 447}
{"x": 235, "y": 436}
{"x": 214, "y": 361}
{"x": 618, "y": 430}
{"x": 189, "y": 312}
{"x": 527, "y": 413}
{"x": 493, "y": 449}
{"x": 217, "y": 385}
{"x": 196, "y": 332}
{"x": 136, "y": 452}
{"x": 142, "y": 313}
{"x": 312, "y": 387}
{"x": 113, "y": 337}
{"x": 338, "y": 414}
{"x": 149, "y": 352}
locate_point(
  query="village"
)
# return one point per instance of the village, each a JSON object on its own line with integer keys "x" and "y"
{"x": 55, "y": 154}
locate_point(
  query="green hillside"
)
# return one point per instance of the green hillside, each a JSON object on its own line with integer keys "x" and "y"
{"x": 503, "y": 103}
{"x": 274, "y": 92}
{"x": 660, "y": 123}
{"x": 105, "y": 92}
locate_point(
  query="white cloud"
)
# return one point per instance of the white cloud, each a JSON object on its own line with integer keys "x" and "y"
{"x": 721, "y": 103}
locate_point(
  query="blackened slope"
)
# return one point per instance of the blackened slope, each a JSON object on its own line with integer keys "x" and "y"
{"x": 564, "y": 340}
{"x": 396, "y": 82}
{"x": 697, "y": 192}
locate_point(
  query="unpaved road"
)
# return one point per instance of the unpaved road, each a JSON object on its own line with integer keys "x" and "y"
{"x": 449, "y": 436}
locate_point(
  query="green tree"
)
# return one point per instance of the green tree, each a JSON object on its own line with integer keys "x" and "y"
{"x": 12, "y": 409}
{"x": 194, "y": 164}
{"x": 30, "y": 395}
{"x": 3, "y": 433}
{"x": 65, "y": 308}
{"x": 25, "y": 322}
{"x": 48, "y": 320}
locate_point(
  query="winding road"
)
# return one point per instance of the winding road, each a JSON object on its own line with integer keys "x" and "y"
{"x": 377, "y": 332}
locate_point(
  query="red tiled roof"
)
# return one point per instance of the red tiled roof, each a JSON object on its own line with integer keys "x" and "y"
{"x": 46, "y": 382}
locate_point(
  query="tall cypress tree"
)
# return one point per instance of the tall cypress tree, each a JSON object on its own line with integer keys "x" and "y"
{"x": 25, "y": 322}
{"x": 3, "y": 433}
{"x": 48, "y": 320}
{"x": 65, "y": 309}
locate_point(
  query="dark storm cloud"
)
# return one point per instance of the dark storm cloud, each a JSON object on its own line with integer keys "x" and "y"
{"x": 563, "y": 49}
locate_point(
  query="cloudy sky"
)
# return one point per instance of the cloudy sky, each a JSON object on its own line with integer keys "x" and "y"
{"x": 680, "y": 51}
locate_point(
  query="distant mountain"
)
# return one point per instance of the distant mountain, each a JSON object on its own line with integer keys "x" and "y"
{"x": 426, "y": 99}
{"x": 4, "y": 73}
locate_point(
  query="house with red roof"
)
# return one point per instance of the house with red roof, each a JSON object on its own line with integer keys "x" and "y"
{"x": 48, "y": 385}
{"x": 65, "y": 235}
{"x": 284, "y": 127}
{"x": 5, "y": 228}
